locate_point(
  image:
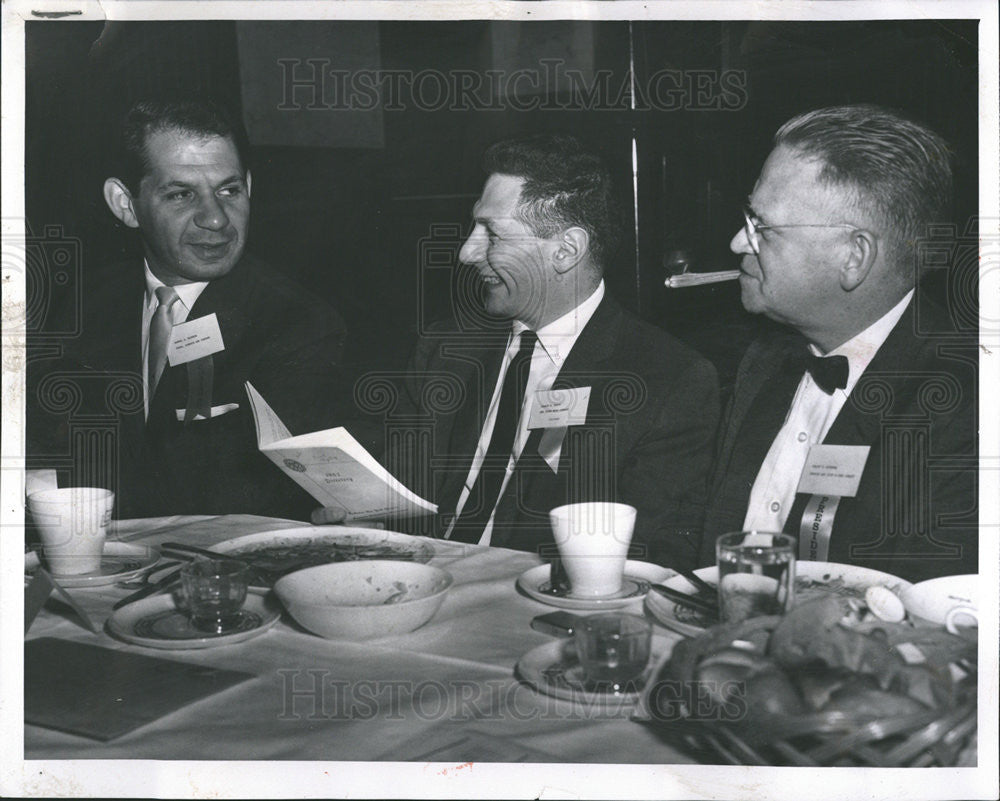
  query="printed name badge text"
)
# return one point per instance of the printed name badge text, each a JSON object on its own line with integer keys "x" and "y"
{"x": 194, "y": 339}
{"x": 833, "y": 470}
{"x": 558, "y": 408}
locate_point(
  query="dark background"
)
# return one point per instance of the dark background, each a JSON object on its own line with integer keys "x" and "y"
{"x": 374, "y": 228}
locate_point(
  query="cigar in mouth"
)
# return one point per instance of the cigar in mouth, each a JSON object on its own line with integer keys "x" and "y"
{"x": 695, "y": 279}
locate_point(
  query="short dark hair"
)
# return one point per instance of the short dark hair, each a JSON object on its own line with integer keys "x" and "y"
{"x": 899, "y": 170}
{"x": 565, "y": 184}
{"x": 200, "y": 117}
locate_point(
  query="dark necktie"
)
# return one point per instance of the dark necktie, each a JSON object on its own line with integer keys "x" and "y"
{"x": 159, "y": 334}
{"x": 829, "y": 372}
{"x": 485, "y": 490}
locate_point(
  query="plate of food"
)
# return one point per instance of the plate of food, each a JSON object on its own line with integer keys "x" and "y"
{"x": 273, "y": 554}
{"x": 812, "y": 580}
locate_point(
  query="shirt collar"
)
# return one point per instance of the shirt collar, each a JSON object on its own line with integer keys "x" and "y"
{"x": 861, "y": 348}
{"x": 188, "y": 293}
{"x": 558, "y": 337}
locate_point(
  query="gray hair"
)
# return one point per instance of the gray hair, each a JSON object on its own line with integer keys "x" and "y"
{"x": 898, "y": 170}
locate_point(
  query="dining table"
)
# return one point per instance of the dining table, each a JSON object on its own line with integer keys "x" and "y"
{"x": 447, "y": 692}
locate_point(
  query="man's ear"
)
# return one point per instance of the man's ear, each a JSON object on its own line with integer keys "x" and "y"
{"x": 248, "y": 181}
{"x": 861, "y": 257}
{"x": 573, "y": 245}
{"x": 119, "y": 200}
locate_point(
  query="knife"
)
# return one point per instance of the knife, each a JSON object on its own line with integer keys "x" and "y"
{"x": 682, "y": 598}
{"x": 149, "y": 589}
{"x": 259, "y": 576}
{"x": 181, "y": 547}
{"x": 699, "y": 582}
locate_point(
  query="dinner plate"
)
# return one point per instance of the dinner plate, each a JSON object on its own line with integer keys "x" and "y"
{"x": 157, "y": 623}
{"x": 638, "y": 577}
{"x": 553, "y": 669}
{"x": 811, "y": 580}
{"x": 287, "y": 550}
{"x": 119, "y": 562}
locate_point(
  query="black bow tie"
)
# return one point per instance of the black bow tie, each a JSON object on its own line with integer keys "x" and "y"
{"x": 829, "y": 372}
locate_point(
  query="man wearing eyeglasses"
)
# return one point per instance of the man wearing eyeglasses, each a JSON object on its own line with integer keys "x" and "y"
{"x": 853, "y": 426}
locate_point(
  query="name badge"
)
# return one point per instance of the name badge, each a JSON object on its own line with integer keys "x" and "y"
{"x": 194, "y": 339}
{"x": 558, "y": 408}
{"x": 833, "y": 470}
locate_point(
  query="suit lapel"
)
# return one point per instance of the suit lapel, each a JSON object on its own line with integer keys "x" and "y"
{"x": 898, "y": 354}
{"x": 229, "y": 299}
{"x": 857, "y": 426}
{"x": 593, "y": 347}
{"x": 536, "y": 485}
{"x": 477, "y": 368}
{"x": 758, "y": 370}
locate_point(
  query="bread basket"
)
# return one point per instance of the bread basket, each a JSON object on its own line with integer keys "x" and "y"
{"x": 871, "y": 719}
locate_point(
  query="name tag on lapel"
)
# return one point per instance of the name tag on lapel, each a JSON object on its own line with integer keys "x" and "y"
{"x": 833, "y": 470}
{"x": 559, "y": 408}
{"x": 194, "y": 340}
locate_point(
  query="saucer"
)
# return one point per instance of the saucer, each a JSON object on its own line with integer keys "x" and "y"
{"x": 932, "y": 600}
{"x": 119, "y": 562}
{"x": 635, "y": 585}
{"x": 157, "y": 623}
{"x": 553, "y": 669}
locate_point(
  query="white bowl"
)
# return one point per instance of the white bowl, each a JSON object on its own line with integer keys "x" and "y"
{"x": 365, "y": 599}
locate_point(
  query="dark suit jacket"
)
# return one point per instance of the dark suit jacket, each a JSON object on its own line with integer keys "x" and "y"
{"x": 86, "y": 407}
{"x": 650, "y": 423}
{"x": 915, "y": 511}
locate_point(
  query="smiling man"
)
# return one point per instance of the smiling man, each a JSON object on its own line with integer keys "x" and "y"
{"x": 180, "y": 435}
{"x": 854, "y": 426}
{"x": 560, "y": 395}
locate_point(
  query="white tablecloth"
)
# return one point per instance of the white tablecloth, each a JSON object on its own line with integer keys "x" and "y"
{"x": 446, "y": 692}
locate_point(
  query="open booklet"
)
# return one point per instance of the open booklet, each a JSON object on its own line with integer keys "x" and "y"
{"x": 334, "y": 468}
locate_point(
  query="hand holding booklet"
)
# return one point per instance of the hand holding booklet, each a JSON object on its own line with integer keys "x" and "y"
{"x": 334, "y": 468}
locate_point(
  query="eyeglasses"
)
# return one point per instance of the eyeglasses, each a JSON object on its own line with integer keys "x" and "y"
{"x": 752, "y": 227}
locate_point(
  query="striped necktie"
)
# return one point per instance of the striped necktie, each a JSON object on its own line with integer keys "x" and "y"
{"x": 159, "y": 334}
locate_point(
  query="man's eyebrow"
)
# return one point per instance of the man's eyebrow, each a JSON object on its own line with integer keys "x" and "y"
{"x": 178, "y": 184}
{"x": 170, "y": 185}
{"x": 753, "y": 212}
{"x": 482, "y": 219}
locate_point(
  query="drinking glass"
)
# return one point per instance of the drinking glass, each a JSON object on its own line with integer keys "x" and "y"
{"x": 613, "y": 649}
{"x": 215, "y": 590}
{"x": 756, "y": 574}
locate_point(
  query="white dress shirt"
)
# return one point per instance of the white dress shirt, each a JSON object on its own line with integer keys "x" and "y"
{"x": 809, "y": 418}
{"x": 187, "y": 294}
{"x": 555, "y": 341}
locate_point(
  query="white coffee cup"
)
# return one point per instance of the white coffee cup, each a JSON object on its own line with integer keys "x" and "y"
{"x": 72, "y": 523}
{"x": 593, "y": 540}
{"x": 949, "y": 601}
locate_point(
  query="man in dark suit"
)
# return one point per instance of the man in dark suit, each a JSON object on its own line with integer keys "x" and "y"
{"x": 174, "y": 433}
{"x": 487, "y": 427}
{"x": 867, "y": 455}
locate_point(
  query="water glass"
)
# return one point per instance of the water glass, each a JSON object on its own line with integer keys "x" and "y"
{"x": 613, "y": 649}
{"x": 215, "y": 590}
{"x": 756, "y": 574}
